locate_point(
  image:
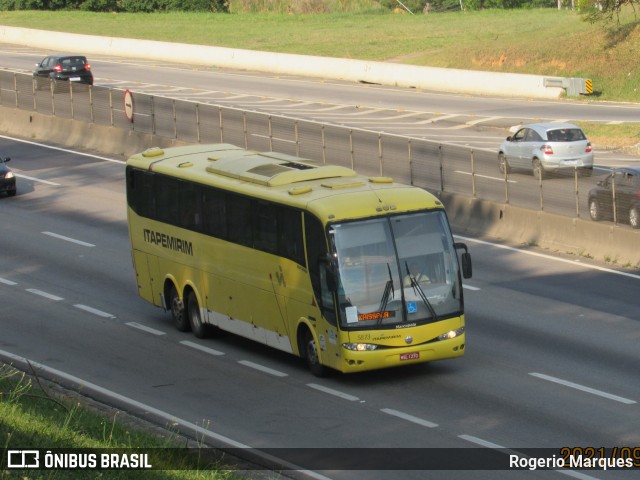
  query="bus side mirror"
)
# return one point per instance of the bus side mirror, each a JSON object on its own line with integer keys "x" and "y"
{"x": 467, "y": 269}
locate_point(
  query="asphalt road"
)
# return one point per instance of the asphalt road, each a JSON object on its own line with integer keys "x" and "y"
{"x": 552, "y": 356}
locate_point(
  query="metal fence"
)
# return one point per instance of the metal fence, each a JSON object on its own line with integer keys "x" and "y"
{"x": 435, "y": 166}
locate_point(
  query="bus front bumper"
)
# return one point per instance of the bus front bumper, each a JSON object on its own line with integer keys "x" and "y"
{"x": 359, "y": 361}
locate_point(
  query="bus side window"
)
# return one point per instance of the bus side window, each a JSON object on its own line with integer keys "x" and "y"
{"x": 214, "y": 213}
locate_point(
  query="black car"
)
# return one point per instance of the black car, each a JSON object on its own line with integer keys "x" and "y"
{"x": 625, "y": 182}
{"x": 63, "y": 67}
{"x": 7, "y": 179}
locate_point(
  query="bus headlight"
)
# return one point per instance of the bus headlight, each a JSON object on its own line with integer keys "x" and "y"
{"x": 451, "y": 334}
{"x": 360, "y": 347}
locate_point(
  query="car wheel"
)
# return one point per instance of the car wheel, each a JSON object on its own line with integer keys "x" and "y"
{"x": 12, "y": 193}
{"x": 503, "y": 164}
{"x": 198, "y": 327}
{"x": 634, "y": 216}
{"x": 594, "y": 210}
{"x": 538, "y": 170}
{"x": 311, "y": 355}
{"x": 177, "y": 311}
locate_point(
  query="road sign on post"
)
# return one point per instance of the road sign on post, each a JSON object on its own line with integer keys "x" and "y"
{"x": 128, "y": 105}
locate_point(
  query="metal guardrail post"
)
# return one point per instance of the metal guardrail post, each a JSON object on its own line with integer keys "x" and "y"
{"x": 53, "y": 102}
{"x": 506, "y": 186}
{"x": 541, "y": 193}
{"x": 198, "y": 122}
{"x": 410, "y": 154}
{"x": 91, "y": 104}
{"x": 111, "y": 107}
{"x": 324, "y": 147}
{"x": 15, "y": 88}
{"x": 380, "y": 160}
{"x": 221, "y": 126}
{"x": 245, "y": 132}
{"x": 71, "y": 100}
{"x": 153, "y": 115}
{"x": 441, "y": 168}
{"x": 351, "y": 153}
{"x": 473, "y": 175}
{"x": 614, "y": 199}
{"x": 577, "y": 191}
{"x": 175, "y": 118}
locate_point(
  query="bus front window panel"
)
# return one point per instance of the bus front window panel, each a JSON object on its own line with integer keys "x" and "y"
{"x": 425, "y": 248}
{"x": 369, "y": 280}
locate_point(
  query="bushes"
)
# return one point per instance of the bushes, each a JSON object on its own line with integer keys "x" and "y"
{"x": 119, "y": 5}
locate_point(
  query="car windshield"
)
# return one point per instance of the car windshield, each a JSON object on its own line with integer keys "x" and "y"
{"x": 396, "y": 271}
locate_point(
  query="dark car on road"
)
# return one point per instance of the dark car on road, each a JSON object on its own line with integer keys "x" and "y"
{"x": 622, "y": 189}
{"x": 63, "y": 68}
{"x": 7, "y": 179}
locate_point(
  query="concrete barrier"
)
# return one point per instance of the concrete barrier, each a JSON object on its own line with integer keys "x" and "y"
{"x": 383, "y": 73}
{"x": 514, "y": 225}
{"x": 603, "y": 242}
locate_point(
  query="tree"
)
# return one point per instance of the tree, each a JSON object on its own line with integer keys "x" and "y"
{"x": 605, "y": 10}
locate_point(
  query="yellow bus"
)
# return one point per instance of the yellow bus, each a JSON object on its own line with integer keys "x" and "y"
{"x": 348, "y": 272}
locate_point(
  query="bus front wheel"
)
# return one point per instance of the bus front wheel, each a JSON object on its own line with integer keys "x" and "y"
{"x": 177, "y": 310}
{"x": 312, "y": 356}
{"x": 198, "y": 328}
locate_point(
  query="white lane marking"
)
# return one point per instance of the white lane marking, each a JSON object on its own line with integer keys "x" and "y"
{"x": 94, "y": 311}
{"x": 577, "y": 386}
{"x": 505, "y": 450}
{"x": 145, "y": 329}
{"x": 331, "y": 391}
{"x": 549, "y": 257}
{"x": 34, "y": 179}
{"x": 44, "y": 294}
{"x": 409, "y": 418}
{"x": 171, "y": 419}
{"x": 481, "y": 442}
{"x": 68, "y": 239}
{"x": 74, "y": 152}
{"x": 7, "y": 282}
{"x": 202, "y": 348}
{"x": 262, "y": 368}
{"x": 469, "y": 287}
{"x": 498, "y": 179}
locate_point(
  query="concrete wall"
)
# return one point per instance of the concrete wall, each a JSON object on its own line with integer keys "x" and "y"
{"x": 602, "y": 241}
{"x": 514, "y": 225}
{"x": 427, "y": 78}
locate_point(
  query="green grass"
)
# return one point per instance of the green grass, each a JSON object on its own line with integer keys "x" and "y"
{"x": 35, "y": 415}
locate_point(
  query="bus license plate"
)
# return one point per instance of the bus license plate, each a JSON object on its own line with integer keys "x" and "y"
{"x": 410, "y": 356}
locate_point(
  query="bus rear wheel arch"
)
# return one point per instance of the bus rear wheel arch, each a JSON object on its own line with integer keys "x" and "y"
{"x": 308, "y": 349}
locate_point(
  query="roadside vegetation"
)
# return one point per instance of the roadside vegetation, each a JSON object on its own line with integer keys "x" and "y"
{"x": 37, "y": 415}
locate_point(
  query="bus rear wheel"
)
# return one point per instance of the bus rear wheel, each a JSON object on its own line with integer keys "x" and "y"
{"x": 177, "y": 310}
{"x": 198, "y": 328}
{"x": 312, "y": 356}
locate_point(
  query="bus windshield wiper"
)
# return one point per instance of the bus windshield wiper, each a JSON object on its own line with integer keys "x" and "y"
{"x": 389, "y": 291}
{"x": 418, "y": 289}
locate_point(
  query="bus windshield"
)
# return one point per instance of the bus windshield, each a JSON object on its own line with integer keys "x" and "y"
{"x": 396, "y": 271}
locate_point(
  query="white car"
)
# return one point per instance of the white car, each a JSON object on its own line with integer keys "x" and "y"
{"x": 546, "y": 147}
